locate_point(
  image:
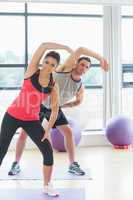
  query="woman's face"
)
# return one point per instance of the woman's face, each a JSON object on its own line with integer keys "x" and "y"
{"x": 50, "y": 63}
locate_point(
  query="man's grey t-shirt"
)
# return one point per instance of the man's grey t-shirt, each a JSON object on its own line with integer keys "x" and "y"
{"x": 67, "y": 88}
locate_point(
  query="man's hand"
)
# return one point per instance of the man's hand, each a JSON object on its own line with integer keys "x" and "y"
{"x": 104, "y": 64}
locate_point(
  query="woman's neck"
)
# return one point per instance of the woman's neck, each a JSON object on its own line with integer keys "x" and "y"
{"x": 44, "y": 72}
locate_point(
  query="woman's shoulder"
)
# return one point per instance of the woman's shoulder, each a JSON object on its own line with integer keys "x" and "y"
{"x": 28, "y": 75}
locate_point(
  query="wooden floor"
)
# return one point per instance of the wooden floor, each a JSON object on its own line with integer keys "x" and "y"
{"x": 112, "y": 172}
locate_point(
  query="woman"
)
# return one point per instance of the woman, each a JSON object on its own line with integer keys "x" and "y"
{"x": 24, "y": 111}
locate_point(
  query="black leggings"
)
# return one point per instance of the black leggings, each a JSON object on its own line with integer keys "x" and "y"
{"x": 33, "y": 128}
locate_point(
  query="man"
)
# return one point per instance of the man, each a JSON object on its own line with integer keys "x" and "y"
{"x": 68, "y": 77}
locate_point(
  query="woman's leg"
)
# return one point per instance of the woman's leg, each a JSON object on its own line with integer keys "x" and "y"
{"x": 8, "y": 129}
{"x": 36, "y": 132}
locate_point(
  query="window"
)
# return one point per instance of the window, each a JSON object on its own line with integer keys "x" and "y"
{"x": 127, "y": 60}
{"x": 11, "y": 77}
{"x": 12, "y": 54}
{"x": 127, "y": 47}
{"x": 127, "y": 10}
{"x": 93, "y": 78}
{"x": 12, "y": 40}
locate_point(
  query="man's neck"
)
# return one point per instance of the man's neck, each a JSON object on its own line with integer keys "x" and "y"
{"x": 75, "y": 76}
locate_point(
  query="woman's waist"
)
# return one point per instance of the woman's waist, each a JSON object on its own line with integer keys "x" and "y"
{"x": 23, "y": 113}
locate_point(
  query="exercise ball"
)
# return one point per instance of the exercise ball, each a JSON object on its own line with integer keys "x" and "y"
{"x": 119, "y": 131}
{"x": 57, "y": 138}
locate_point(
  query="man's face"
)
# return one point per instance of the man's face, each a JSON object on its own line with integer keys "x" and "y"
{"x": 82, "y": 67}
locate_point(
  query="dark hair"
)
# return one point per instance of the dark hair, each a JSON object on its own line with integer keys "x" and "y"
{"x": 84, "y": 58}
{"x": 54, "y": 55}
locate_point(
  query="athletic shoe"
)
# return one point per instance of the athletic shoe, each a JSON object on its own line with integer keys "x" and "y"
{"x": 15, "y": 169}
{"x": 50, "y": 191}
{"x": 74, "y": 168}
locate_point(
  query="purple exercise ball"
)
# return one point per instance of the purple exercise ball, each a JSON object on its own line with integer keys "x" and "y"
{"x": 58, "y": 139}
{"x": 119, "y": 131}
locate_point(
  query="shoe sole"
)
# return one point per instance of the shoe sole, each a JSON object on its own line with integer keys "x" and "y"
{"x": 12, "y": 174}
{"x": 51, "y": 195}
{"x": 73, "y": 172}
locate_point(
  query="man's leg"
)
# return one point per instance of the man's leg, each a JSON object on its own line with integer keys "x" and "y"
{"x": 69, "y": 141}
{"x": 20, "y": 145}
{"x": 62, "y": 124}
{"x": 70, "y": 147}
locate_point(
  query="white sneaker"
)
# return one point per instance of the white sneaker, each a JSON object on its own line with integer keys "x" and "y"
{"x": 50, "y": 191}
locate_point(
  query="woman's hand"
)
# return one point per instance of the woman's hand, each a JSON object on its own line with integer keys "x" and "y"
{"x": 46, "y": 135}
{"x": 69, "y": 49}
